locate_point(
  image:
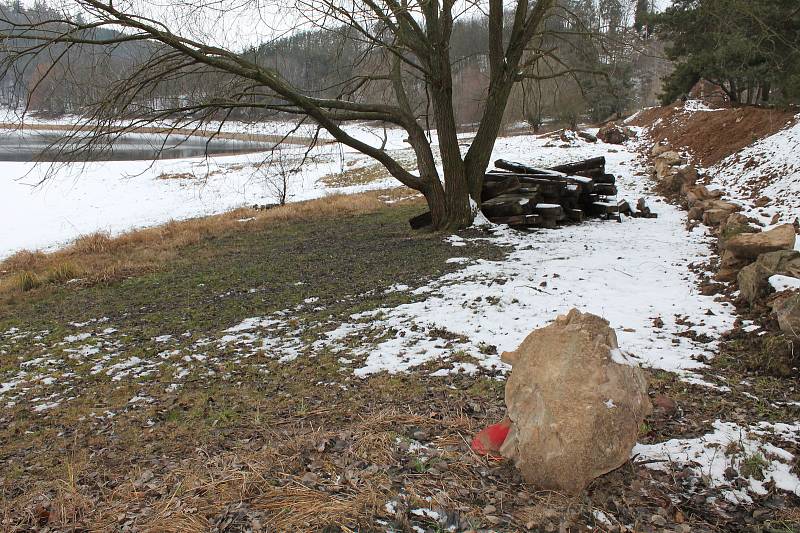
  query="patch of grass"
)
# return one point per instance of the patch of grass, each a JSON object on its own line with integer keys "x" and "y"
{"x": 419, "y": 465}
{"x": 361, "y": 175}
{"x": 101, "y": 258}
{"x": 27, "y": 281}
{"x": 62, "y": 273}
{"x": 777, "y": 356}
{"x": 772, "y": 354}
{"x": 753, "y": 466}
{"x": 239, "y": 423}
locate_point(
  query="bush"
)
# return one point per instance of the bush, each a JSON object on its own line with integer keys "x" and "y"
{"x": 62, "y": 272}
{"x": 27, "y": 280}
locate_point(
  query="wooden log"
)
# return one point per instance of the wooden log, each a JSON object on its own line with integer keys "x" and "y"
{"x": 606, "y": 178}
{"x": 503, "y": 209}
{"x": 594, "y": 173}
{"x": 519, "y": 220}
{"x": 554, "y": 211}
{"x": 604, "y": 208}
{"x": 576, "y": 215}
{"x": 605, "y": 189}
{"x": 642, "y": 211}
{"x": 573, "y": 190}
{"x": 543, "y": 185}
{"x": 421, "y": 221}
{"x": 624, "y": 207}
{"x": 580, "y": 166}
{"x": 534, "y": 175}
{"x": 518, "y": 197}
{"x": 586, "y": 184}
{"x": 547, "y": 222}
{"x": 496, "y": 188}
{"x": 520, "y": 168}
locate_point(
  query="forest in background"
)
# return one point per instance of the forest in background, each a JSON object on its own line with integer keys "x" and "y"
{"x": 620, "y": 63}
{"x": 625, "y": 56}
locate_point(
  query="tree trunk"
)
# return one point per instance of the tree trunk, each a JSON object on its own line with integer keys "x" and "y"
{"x": 435, "y": 197}
{"x": 480, "y": 152}
{"x": 432, "y": 188}
{"x": 459, "y": 212}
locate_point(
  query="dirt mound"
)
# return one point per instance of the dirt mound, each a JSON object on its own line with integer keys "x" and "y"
{"x": 711, "y": 134}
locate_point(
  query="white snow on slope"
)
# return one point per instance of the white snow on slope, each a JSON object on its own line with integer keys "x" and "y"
{"x": 769, "y": 167}
{"x": 631, "y": 273}
{"x": 728, "y": 446}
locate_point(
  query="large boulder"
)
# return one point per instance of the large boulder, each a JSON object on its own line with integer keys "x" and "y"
{"x": 736, "y": 223}
{"x": 615, "y": 134}
{"x": 717, "y": 211}
{"x": 671, "y": 157}
{"x": 753, "y": 280}
{"x": 679, "y": 180}
{"x": 659, "y": 149}
{"x": 751, "y": 245}
{"x": 701, "y": 195}
{"x": 575, "y": 406}
{"x": 787, "y": 311}
{"x": 715, "y": 217}
{"x": 729, "y": 266}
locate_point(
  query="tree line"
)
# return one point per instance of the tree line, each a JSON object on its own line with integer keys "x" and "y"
{"x": 605, "y": 81}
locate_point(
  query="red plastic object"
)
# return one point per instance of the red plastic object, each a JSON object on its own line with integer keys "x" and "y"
{"x": 489, "y": 439}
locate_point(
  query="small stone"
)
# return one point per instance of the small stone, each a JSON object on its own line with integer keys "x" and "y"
{"x": 658, "y": 520}
{"x": 489, "y": 509}
{"x": 310, "y": 478}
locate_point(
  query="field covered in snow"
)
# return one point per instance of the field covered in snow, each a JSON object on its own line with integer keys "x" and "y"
{"x": 80, "y": 199}
{"x": 450, "y": 322}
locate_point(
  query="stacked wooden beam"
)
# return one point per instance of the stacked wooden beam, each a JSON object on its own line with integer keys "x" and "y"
{"x": 521, "y": 195}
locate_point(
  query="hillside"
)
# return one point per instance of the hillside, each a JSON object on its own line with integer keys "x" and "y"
{"x": 709, "y": 133}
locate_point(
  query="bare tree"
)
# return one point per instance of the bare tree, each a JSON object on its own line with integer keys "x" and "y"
{"x": 277, "y": 174}
{"x": 397, "y": 50}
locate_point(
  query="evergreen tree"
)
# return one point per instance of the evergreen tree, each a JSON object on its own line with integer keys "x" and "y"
{"x": 750, "y": 49}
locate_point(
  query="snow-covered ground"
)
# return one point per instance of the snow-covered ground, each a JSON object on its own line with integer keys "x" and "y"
{"x": 634, "y": 274}
{"x": 769, "y": 167}
{"x": 730, "y": 446}
{"x": 120, "y": 195}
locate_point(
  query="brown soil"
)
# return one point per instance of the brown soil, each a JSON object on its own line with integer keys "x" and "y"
{"x": 712, "y": 136}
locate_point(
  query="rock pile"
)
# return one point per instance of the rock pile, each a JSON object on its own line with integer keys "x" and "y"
{"x": 575, "y": 405}
{"x": 749, "y": 256}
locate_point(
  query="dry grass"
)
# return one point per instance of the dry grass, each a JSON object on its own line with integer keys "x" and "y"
{"x": 265, "y": 490}
{"x": 100, "y": 257}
